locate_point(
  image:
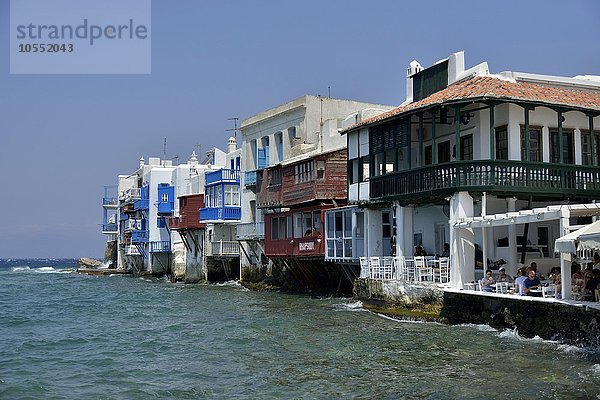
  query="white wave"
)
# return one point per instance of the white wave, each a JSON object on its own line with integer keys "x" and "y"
{"x": 569, "y": 348}
{"x": 353, "y": 306}
{"x": 20, "y": 269}
{"x": 514, "y": 334}
{"x": 595, "y": 369}
{"x": 408, "y": 320}
{"x": 44, "y": 269}
{"x": 480, "y": 327}
{"x": 233, "y": 283}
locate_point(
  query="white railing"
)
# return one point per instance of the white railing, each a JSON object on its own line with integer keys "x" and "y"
{"x": 132, "y": 250}
{"x": 130, "y": 194}
{"x": 250, "y": 230}
{"x": 225, "y": 248}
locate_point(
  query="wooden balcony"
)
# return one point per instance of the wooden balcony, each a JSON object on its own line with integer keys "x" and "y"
{"x": 189, "y": 213}
{"x": 504, "y": 178}
{"x": 323, "y": 177}
{"x": 295, "y": 247}
{"x": 223, "y": 248}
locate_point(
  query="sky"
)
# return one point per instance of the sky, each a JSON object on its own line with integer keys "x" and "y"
{"x": 63, "y": 137}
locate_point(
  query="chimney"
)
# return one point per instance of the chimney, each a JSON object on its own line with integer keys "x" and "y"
{"x": 413, "y": 68}
{"x": 142, "y": 162}
{"x": 231, "y": 145}
{"x": 456, "y": 66}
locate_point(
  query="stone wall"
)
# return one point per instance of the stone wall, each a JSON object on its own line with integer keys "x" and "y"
{"x": 397, "y": 293}
{"x": 568, "y": 323}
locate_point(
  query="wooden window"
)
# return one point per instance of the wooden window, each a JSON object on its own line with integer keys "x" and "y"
{"x": 466, "y": 147}
{"x": 586, "y": 147}
{"x": 502, "y": 143}
{"x": 428, "y": 155}
{"x": 443, "y": 152}
{"x": 535, "y": 143}
{"x": 365, "y": 169}
{"x": 568, "y": 149}
{"x": 274, "y": 177}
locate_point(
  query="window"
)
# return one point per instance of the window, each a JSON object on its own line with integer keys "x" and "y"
{"x": 586, "y": 147}
{"x": 303, "y": 172}
{"x": 502, "y": 143}
{"x": 466, "y": 147}
{"x": 428, "y": 155}
{"x": 280, "y": 227}
{"x": 292, "y": 135}
{"x": 365, "y": 169}
{"x": 339, "y": 234}
{"x": 390, "y": 161}
{"x": 535, "y": 144}
{"x": 279, "y": 145}
{"x": 274, "y": 177}
{"x": 307, "y": 223}
{"x": 320, "y": 169}
{"x": 443, "y": 152}
{"x": 160, "y": 223}
{"x": 567, "y": 143}
{"x": 164, "y": 198}
{"x": 232, "y": 195}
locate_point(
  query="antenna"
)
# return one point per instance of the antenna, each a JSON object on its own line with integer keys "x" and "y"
{"x": 165, "y": 152}
{"x": 328, "y": 92}
{"x": 235, "y": 128}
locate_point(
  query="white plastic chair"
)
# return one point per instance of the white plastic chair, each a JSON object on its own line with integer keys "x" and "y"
{"x": 387, "y": 267}
{"x": 548, "y": 291}
{"x": 442, "y": 272}
{"x": 424, "y": 272}
{"x": 399, "y": 267}
{"x": 502, "y": 287}
{"x": 375, "y": 268}
{"x": 364, "y": 267}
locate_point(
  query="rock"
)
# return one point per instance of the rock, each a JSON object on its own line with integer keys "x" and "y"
{"x": 89, "y": 263}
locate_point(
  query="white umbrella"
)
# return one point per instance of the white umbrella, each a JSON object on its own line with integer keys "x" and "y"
{"x": 587, "y": 237}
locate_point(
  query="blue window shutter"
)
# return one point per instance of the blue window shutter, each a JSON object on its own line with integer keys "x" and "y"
{"x": 261, "y": 158}
{"x": 280, "y": 151}
{"x": 267, "y": 156}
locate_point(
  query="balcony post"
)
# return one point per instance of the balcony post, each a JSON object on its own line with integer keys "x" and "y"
{"x": 560, "y": 138}
{"x": 434, "y": 156}
{"x": 457, "y": 131}
{"x": 421, "y": 158}
{"x": 409, "y": 149}
{"x": 592, "y": 140}
{"x": 492, "y": 179}
{"x": 527, "y": 151}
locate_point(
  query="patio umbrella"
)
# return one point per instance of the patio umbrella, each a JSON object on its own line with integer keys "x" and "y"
{"x": 587, "y": 237}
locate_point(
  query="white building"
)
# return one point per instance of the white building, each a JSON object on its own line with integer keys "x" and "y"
{"x": 468, "y": 143}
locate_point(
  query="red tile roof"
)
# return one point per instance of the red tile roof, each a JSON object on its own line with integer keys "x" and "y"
{"x": 493, "y": 88}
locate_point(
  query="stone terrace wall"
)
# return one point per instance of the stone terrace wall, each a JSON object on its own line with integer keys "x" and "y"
{"x": 573, "y": 324}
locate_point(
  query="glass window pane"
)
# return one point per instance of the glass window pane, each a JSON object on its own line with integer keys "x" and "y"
{"x": 348, "y": 223}
{"x": 360, "y": 224}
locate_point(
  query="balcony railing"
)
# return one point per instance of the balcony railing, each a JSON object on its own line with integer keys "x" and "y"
{"x": 109, "y": 228}
{"x": 250, "y": 230}
{"x": 140, "y": 204}
{"x": 220, "y": 213}
{"x": 130, "y": 195}
{"x": 166, "y": 207}
{"x": 162, "y": 246}
{"x": 225, "y": 248}
{"x": 507, "y": 177}
{"x": 223, "y": 175}
{"x": 131, "y": 250}
{"x": 109, "y": 201}
{"x": 250, "y": 179}
{"x": 139, "y": 236}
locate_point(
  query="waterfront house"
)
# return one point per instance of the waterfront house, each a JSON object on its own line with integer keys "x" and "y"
{"x": 293, "y": 169}
{"x": 110, "y": 207}
{"x": 469, "y": 143}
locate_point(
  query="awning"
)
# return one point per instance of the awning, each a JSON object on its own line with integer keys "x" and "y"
{"x": 587, "y": 237}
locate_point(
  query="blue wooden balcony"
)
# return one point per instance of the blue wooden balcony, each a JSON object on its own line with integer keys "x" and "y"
{"x": 109, "y": 201}
{"x": 163, "y": 246}
{"x": 109, "y": 228}
{"x": 250, "y": 178}
{"x": 223, "y": 175}
{"x": 140, "y": 204}
{"x": 139, "y": 236}
{"x": 220, "y": 213}
{"x": 166, "y": 199}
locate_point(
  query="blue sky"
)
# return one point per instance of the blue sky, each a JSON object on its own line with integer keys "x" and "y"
{"x": 62, "y": 137}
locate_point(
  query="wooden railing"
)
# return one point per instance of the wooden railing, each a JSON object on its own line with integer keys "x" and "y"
{"x": 225, "y": 248}
{"x": 543, "y": 179}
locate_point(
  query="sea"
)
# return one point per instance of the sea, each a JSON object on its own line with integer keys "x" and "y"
{"x": 69, "y": 336}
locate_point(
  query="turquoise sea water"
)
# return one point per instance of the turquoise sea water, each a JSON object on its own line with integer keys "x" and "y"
{"x": 69, "y": 336}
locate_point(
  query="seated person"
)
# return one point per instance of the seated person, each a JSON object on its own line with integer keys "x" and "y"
{"x": 533, "y": 266}
{"x": 576, "y": 270}
{"x": 446, "y": 252}
{"x": 419, "y": 251}
{"x": 556, "y": 280}
{"x": 487, "y": 281}
{"x": 521, "y": 277}
{"x": 591, "y": 285}
{"x": 502, "y": 277}
{"x": 531, "y": 283}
